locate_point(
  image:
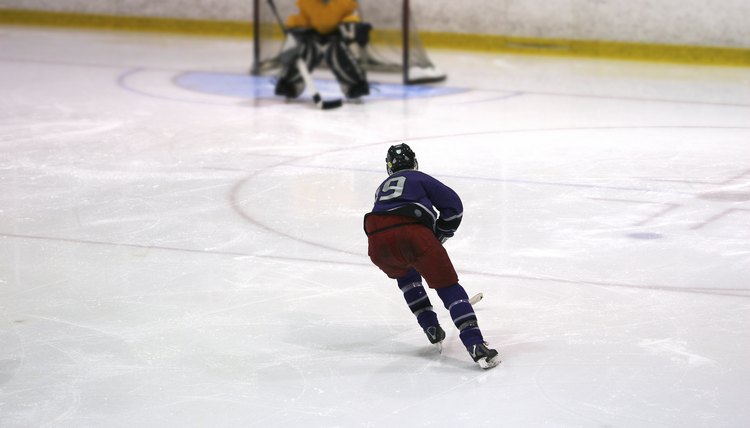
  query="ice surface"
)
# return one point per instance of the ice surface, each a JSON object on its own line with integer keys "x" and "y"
{"x": 178, "y": 248}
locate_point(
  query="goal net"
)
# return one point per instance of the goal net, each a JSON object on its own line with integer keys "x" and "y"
{"x": 395, "y": 46}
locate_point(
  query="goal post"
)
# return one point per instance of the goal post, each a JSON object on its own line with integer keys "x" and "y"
{"x": 395, "y": 45}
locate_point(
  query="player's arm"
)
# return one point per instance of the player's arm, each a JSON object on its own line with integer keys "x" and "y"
{"x": 300, "y": 20}
{"x": 448, "y": 204}
{"x": 350, "y": 11}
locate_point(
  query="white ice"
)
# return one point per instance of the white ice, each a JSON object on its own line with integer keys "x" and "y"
{"x": 171, "y": 257}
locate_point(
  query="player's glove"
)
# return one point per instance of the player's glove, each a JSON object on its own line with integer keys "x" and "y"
{"x": 358, "y": 32}
{"x": 443, "y": 235}
{"x": 445, "y": 229}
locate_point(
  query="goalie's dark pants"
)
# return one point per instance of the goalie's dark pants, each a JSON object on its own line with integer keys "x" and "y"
{"x": 406, "y": 251}
{"x": 352, "y": 79}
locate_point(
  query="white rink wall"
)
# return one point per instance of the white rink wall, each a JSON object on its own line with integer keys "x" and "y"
{"x": 722, "y": 23}
{"x": 682, "y": 22}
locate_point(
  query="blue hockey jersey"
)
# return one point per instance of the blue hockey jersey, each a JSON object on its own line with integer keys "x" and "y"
{"x": 415, "y": 194}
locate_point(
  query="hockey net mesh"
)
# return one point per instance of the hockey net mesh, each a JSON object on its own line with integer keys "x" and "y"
{"x": 384, "y": 53}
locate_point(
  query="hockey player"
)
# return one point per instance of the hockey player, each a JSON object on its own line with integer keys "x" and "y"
{"x": 326, "y": 29}
{"x": 405, "y": 236}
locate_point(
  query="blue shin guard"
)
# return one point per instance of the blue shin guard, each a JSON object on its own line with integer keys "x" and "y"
{"x": 457, "y": 302}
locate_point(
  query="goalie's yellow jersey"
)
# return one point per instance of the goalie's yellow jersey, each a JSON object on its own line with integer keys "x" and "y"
{"x": 323, "y": 16}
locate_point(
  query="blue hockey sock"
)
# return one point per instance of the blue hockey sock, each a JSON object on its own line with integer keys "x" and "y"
{"x": 417, "y": 299}
{"x": 456, "y": 301}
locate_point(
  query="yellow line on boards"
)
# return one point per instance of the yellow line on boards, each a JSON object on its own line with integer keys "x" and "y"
{"x": 126, "y": 23}
{"x": 708, "y": 55}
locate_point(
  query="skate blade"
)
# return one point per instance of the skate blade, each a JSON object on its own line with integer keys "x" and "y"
{"x": 439, "y": 346}
{"x": 476, "y": 298}
{"x": 489, "y": 363}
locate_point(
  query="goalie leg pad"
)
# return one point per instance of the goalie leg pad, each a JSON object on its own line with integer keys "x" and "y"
{"x": 350, "y": 75}
{"x": 290, "y": 83}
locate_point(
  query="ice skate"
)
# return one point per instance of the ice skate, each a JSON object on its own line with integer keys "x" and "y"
{"x": 486, "y": 358}
{"x": 435, "y": 334}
